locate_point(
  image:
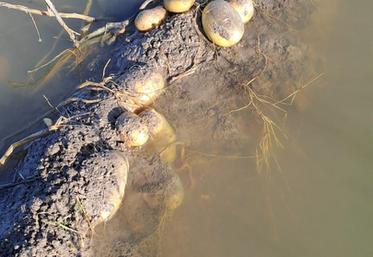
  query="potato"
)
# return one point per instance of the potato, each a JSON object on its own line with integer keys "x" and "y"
{"x": 143, "y": 83}
{"x": 178, "y": 6}
{"x": 222, "y": 24}
{"x": 150, "y": 89}
{"x": 116, "y": 195}
{"x": 245, "y": 9}
{"x": 104, "y": 191}
{"x": 158, "y": 125}
{"x": 150, "y": 19}
{"x": 131, "y": 130}
{"x": 162, "y": 134}
{"x": 170, "y": 197}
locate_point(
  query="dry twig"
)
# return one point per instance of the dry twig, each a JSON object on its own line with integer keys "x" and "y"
{"x": 48, "y": 13}
{"x": 72, "y": 34}
{"x": 31, "y": 138}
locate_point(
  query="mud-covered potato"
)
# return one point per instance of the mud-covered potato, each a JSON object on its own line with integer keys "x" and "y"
{"x": 116, "y": 194}
{"x": 245, "y": 9}
{"x": 144, "y": 84}
{"x": 105, "y": 190}
{"x": 178, "y": 6}
{"x": 150, "y": 19}
{"x": 222, "y": 24}
{"x": 163, "y": 136}
{"x": 169, "y": 198}
{"x": 131, "y": 130}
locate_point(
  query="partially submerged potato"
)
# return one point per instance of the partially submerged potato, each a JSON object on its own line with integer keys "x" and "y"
{"x": 144, "y": 200}
{"x": 108, "y": 179}
{"x": 116, "y": 194}
{"x": 245, "y": 9}
{"x": 131, "y": 130}
{"x": 222, "y": 24}
{"x": 150, "y": 19}
{"x": 144, "y": 84}
{"x": 169, "y": 197}
{"x": 159, "y": 127}
{"x": 178, "y": 6}
{"x": 162, "y": 134}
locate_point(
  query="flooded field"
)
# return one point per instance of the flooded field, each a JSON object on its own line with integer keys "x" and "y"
{"x": 320, "y": 202}
{"x": 316, "y": 202}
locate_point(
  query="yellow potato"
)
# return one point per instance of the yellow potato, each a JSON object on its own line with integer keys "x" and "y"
{"x": 157, "y": 124}
{"x": 115, "y": 196}
{"x": 108, "y": 172}
{"x": 131, "y": 130}
{"x": 170, "y": 197}
{"x": 245, "y": 9}
{"x": 178, "y": 6}
{"x": 150, "y": 19}
{"x": 144, "y": 84}
{"x": 162, "y": 134}
{"x": 150, "y": 89}
{"x": 222, "y": 24}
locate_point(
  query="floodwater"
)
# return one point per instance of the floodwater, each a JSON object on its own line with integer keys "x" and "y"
{"x": 318, "y": 203}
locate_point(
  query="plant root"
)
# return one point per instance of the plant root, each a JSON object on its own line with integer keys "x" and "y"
{"x": 267, "y": 109}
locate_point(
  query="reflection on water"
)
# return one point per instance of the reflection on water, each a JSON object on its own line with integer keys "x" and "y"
{"x": 320, "y": 203}
{"x": 19, "y": 52}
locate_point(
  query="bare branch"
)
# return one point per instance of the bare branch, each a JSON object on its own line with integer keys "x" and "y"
{"x": 48, "y": 13}
{"x": 72, "y": 34}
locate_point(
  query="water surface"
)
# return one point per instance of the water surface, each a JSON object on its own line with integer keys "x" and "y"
{"x": 320, "y": 203}
{"x": 21, "y": 51}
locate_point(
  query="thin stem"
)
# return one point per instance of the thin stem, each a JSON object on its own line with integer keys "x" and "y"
{"x": 47, "y": 13}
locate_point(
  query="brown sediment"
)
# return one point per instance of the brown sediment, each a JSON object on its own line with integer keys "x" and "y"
{"x": 76, "y": 169}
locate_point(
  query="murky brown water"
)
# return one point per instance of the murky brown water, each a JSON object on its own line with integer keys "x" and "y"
{"x": 320, "y": 202}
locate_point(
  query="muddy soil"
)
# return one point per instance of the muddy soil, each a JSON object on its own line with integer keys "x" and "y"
{"x": 56, "y": 208}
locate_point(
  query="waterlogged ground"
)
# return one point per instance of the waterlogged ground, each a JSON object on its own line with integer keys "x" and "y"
{"x": 316, "y": 204}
